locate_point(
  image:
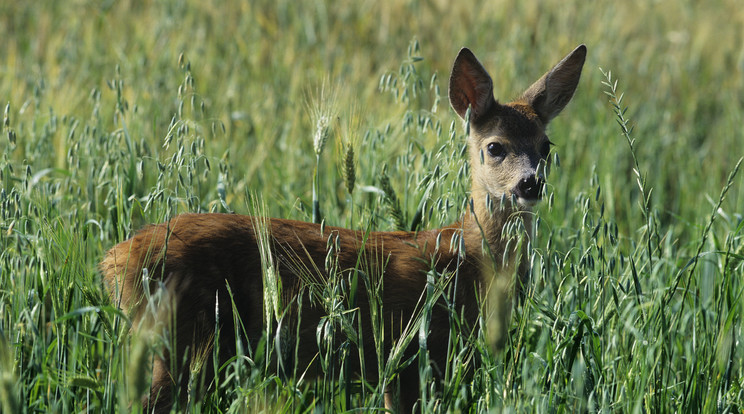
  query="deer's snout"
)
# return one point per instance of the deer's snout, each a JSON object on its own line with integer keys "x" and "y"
{"x": 529, "y": 188}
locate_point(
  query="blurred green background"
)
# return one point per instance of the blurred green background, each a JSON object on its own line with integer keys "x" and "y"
{"x": 254, "y": 63}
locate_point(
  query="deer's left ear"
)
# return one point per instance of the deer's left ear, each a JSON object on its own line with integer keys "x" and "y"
{"x": 551, "y": 93}
{"x": 470, "y": 86}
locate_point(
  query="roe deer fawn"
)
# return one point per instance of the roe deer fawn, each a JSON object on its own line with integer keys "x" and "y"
{"x": 198, "y": 256}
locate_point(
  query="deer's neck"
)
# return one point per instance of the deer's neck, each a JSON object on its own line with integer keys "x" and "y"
{"x": 501, "y": 254}
{"x": 484, "y": 227}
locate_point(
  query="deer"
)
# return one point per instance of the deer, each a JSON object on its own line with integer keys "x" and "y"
{"x": 204, "y": 259}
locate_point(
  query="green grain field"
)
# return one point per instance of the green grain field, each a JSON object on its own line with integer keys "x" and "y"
{"x": 121, "y": 113}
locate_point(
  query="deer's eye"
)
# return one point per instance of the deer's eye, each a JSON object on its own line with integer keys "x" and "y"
{"x": 496, "y": 150}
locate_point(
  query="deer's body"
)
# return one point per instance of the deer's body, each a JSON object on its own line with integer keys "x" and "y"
{"x": 197, "y": 256}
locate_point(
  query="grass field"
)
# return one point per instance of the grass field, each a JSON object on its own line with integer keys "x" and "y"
{"x": 122, "y": 113}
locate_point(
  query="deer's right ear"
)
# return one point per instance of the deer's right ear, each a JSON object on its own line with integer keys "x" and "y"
{"x": 470, "y": 85}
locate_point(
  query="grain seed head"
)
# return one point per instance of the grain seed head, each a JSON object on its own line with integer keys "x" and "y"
{"x": 322, "y": 106}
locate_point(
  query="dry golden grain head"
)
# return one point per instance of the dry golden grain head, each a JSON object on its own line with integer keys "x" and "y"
{"x": 323, "y": 110}
{"x": 322, "y": 133}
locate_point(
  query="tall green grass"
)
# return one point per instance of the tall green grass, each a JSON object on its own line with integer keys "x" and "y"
{"x": 119, "y": 114}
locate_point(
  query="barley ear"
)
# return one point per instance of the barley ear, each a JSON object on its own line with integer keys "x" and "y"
{"x": 349, "y": 171}
{"x": 351, "y": 126}
{"x": 391, "y": 199}
{"x": 323, "y": 110}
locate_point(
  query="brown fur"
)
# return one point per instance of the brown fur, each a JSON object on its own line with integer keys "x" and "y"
{"x": 197, "y": 256}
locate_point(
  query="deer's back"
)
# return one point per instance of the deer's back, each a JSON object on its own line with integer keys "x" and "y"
{"x": 197, "y": 256}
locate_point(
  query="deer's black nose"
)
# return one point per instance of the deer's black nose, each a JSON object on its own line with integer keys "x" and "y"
{"x": 529, "y": 188}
